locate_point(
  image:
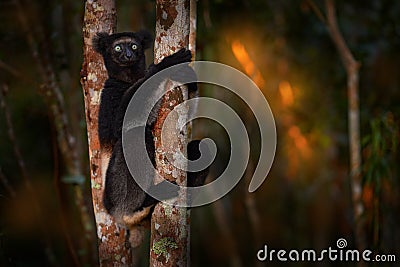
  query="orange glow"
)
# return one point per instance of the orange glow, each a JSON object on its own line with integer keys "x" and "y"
{"x": 300, "y": 141}
{"x": 368, "y": 196}
{"x": 249, "y": 67}
{"x": 286, "y": 93}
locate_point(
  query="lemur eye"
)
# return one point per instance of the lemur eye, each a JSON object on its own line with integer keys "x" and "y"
{"x": 134, "y": 47}
{"x": 118, "y": 48}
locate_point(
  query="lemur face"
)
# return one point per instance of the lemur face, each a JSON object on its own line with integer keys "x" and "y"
{"x": 125, "y": 51}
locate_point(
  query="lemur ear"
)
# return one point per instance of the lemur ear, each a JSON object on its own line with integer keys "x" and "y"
{"x": 99, "y": 42}
{"x": 145, "y": 37}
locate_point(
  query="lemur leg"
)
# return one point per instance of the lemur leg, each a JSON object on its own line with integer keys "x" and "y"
{"x": 137, "y": 217}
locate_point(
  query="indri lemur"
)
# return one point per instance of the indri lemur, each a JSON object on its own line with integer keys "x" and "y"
{"x": 124, "y": 58}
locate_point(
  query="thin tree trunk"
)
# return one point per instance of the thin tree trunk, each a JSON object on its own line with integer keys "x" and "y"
{"x": 352, "y": 68}
{"x": 100, "y": 16}
{"x": 252, "y": 212}
{"x": 54, "y": 98}
{"x": 227, "y": 233}
{"x": 33, "y": 195}
{"x": 170, "y": 225}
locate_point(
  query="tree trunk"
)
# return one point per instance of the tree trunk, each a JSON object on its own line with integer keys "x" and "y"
{"x": 100, "y": 16}
{"x": 352, "y": 67}
{"x": 170, "y": 225}
{"x": 52, "y": 94}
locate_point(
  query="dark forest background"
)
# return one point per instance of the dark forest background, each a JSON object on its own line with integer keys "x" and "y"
{"x": 306, "y": 200}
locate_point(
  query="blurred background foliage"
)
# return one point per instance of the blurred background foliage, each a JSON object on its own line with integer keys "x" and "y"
{"x": 286, "y": 50}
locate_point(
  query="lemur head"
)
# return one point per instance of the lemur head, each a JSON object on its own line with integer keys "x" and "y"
{"x": 123, "y": 51}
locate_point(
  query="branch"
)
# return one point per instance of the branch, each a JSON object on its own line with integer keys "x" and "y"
{"x": 66, "y": 141}
{"x": 348, "y": 60}
{"x": 7, "y": 184}
{"x": 62, "y": 218}
{"x": 13, "y": 140}
{"x": 10, "y": 69}
{"x": 317, "y": 11}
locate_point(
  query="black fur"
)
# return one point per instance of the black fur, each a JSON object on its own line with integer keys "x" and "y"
{"x": 122, "y": 195}
{"x": 128, "y": 71}
{"x": 121, "y": 77}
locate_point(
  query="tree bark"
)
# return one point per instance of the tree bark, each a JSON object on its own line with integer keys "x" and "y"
{"x": 100, "y": 16}
{"x": 352, "y": 68}
{"x": 170, "y": 225}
